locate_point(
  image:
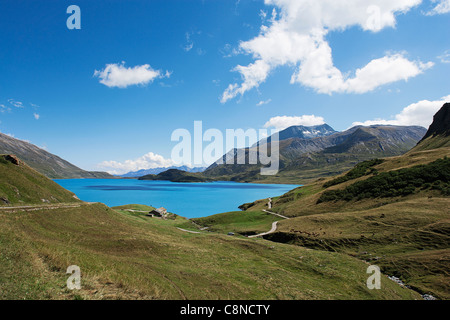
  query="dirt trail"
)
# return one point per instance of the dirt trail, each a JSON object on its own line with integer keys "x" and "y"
{"x": 274, "y": 228}
{"x": 276, "y": 214}
{"x": 274, "y": 225}
{"x": 44, "y": 207}
{"x": 188, "y": 231}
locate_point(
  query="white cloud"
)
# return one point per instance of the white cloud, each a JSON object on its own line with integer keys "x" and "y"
{"x": 13, "y": 136}
{"x": 15, "y": 103}
{"x": 228, "y": 51}
{"x": 4, "y": 108}
{"x": 36, "y": 116}
{"x": 417, "y": 114}
{"x": 283, "y": 122}
{"x": 445, "y": 58}
{"x": 261, "y": 103}
{"x": 148, "y": 161}
{"x": 442, "y": 7}
{"x": 117, "y": 75}
{"x": 296, "y": 37}
{"x": 189, "y": 43}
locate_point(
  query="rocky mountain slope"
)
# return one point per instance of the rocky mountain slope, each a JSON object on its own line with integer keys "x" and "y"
{"x": 44, "y": 162}
{"x": 308, "y": 158}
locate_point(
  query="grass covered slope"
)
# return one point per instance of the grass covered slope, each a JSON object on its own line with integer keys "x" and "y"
{"x": 408, "y": 239}
{"x": 402, "y": 182}
{"x": 123, "y": 254}
{"x": 392, "y": 212}
{"x": 244, "y": 223}
{"x": 22, "y": 185}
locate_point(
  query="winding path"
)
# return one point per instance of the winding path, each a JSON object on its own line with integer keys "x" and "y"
{"x": 274, "y": 228}
{"x": 274, "y": 225}
{"x": 276, "y": 214}
{"x": 188, "y": 231}
{"x": 40, "y": 207}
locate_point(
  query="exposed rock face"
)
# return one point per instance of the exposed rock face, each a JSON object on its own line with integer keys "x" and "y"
{"x": 13, "y": 159}
{"x": 441, "y": 123}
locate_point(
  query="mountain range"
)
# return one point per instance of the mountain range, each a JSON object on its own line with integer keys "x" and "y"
{"x": 155, "y": 171}
{"x": 305, "y": 153}
{"x": 326, "y": 152}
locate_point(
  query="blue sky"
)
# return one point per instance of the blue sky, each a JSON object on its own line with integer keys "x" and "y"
{"x": 174, "y": 62}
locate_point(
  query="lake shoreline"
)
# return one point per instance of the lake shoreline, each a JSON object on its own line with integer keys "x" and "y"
{"x": 190, "y": 200}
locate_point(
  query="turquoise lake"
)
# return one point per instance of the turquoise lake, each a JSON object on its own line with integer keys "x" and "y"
{"x": 190, "y": 200}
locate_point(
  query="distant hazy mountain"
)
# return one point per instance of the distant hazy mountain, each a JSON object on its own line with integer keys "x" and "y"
{"x": 44, "y": 162}
{"x": 155, "y": 171}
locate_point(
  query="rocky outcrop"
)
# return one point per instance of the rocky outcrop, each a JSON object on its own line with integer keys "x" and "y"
{"x": 13, "y": 159}
{"x": 441, "y": 123}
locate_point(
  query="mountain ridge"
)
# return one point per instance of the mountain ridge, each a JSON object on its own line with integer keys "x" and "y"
{"x": 312, "y": 158}
{"x": 50, "y": 165}
{"x": 155, "y": 171}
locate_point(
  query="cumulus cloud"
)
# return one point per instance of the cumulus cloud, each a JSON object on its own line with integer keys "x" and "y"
{"x": 416, "y": 114}
{"x": 283, "y": 122}
{"x": 148, "y": 161}
{"x": 296, "y": 37}
{"x": 117, "y": 75}
{"x": 441, "y": 7}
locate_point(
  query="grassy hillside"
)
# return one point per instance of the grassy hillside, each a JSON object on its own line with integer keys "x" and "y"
{"x": 22, "y": 185}
{"x": 123, "y": 254}
{"x": 244, "y": 223}
{"x": 395, "y": 183}
{"x": 366, "y": 213}
{"x": 409, "y": 239}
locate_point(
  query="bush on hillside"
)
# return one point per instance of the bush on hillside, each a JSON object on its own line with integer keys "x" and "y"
{"x": 403, "y": 182}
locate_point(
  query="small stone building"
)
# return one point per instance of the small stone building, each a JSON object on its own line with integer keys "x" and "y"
{"x": 160, "y": 212}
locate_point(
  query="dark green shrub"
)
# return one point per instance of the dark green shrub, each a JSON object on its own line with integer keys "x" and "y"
{"x": 396, "y": 183}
